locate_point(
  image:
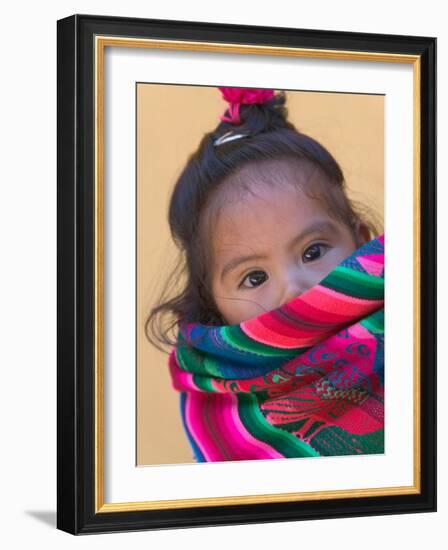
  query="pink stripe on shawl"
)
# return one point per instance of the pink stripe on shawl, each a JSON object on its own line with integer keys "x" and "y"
{"x": 231, "y": 439}
{"x": 193, "y": 413}
{"x": 332, "y": 302}
{"x": 236, "y": 435}
{"x": 180, "y": 379}
{"x": 312, "y": 307}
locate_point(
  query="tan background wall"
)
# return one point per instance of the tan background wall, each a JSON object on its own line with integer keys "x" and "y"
{"x": 171, "y": 120}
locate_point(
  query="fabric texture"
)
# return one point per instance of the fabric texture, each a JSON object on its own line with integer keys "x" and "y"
{"x": 303, "y": 380}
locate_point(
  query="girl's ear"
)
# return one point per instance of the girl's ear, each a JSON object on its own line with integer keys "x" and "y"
{"x": 362, "y": 233}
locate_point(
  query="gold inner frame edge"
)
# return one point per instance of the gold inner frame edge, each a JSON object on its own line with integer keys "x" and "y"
{"x": 100, "y": 43}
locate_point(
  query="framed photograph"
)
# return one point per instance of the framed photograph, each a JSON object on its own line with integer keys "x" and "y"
{"x": 236, "y": 342}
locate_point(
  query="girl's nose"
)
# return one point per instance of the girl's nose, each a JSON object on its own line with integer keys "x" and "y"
{"x": 293, "y": 289}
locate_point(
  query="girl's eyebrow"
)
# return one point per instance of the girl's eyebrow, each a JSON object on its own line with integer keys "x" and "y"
{"x": 320, "y": 226}
{"x": 324, "y": 226}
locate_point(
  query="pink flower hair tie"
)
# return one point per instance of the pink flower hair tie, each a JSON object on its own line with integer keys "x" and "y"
{"x": 239, "y": 96}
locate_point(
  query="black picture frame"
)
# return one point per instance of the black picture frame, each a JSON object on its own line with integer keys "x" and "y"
{"x": 78, "y": 493}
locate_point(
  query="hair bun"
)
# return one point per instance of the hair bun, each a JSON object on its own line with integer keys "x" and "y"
{"x": 242, "y": 96}
{"x": 253, "y": 111}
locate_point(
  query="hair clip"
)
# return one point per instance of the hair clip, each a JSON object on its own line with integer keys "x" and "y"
{"x": 229, "y": 136}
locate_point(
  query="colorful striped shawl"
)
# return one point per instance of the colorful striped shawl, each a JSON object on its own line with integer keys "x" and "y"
{"x": 305, "y": 379}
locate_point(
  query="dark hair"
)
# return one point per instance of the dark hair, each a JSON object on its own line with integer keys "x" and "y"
{"x": 193, "y": 205}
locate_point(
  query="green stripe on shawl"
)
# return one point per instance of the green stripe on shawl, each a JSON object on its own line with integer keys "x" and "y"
{"x": 252, "y": 418}
{"x": 187, "y": 360}
{"x": 354, "y": 283}
{"x": 374, "y": 323}
{"x": 190, "y": 361}
{"x": 203, "y": 383}
{"x": 345, "y": 443}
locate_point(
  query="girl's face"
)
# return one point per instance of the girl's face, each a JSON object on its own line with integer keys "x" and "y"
{"x": 272, "y": 246}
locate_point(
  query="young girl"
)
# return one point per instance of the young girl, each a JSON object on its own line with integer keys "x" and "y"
{"x": 279, "y": 341}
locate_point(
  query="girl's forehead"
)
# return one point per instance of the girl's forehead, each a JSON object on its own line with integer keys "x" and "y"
{"x": 270, "y": 180}
{"x": 267, "y": 229}
{"x": 268, "y": 204}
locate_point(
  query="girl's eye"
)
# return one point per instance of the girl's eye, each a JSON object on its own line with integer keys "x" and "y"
{"x": 313, "y": 252}
{"x": 255, "y": 277}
